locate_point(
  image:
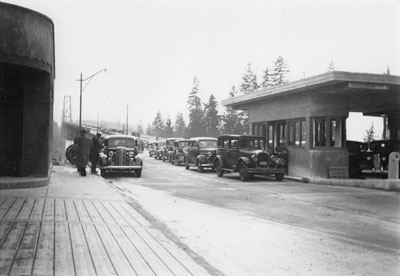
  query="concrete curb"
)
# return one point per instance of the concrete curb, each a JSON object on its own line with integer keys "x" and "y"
{"x": 378, "y": 184}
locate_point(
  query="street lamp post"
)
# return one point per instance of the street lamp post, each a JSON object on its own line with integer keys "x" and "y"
{"x": 80, "y": 95}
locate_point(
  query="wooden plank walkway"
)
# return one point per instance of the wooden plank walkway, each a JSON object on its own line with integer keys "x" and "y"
{"x": 69, "y": 236}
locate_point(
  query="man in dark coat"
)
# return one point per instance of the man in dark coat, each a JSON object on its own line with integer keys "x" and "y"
{"x": 84, "y": 146}
{"x": 94, "y": 152}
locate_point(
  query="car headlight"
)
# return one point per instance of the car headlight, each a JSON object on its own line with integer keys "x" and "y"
{"x": 383, "y": 158}
{"x": 111, "y": 153}
{"x": 254, "y": 157}
{"x": 131, "y": 154}
{"x": 368, "y": 158}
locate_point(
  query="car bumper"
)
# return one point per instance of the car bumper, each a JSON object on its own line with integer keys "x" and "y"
{"x": 121, "y": 168}
{"x": 264, "y": 170}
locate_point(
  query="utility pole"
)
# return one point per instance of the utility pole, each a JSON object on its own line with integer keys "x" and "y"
{"x": 81, "y": 80}
{"x": 127, "y": 126}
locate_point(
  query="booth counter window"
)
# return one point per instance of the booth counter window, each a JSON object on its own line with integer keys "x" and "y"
{"x": 297, "y": 133}
{"x": 328, "y": 132}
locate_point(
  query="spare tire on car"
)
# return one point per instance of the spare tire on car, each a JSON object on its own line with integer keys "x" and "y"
{"x": 71, "y": 153}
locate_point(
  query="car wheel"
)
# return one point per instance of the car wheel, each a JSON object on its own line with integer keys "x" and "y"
{"x": 218, "y": 168}
{"x": 279, "y": 176}
{"x": 244, "y": 175}
{"x": 199, "y": 167}
{"x": 103, "y": 173}
{"x": 138, "y": 173}
{"x": 179, "y": 163}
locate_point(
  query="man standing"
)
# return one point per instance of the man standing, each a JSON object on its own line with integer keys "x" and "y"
{"x": 94, "y": 152}
{"x": 84, "y": 146}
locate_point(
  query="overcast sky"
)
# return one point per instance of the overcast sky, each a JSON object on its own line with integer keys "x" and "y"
{"x": 153, "y": 49}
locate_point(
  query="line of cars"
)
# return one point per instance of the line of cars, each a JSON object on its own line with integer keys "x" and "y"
{"x": 228, "y": 153}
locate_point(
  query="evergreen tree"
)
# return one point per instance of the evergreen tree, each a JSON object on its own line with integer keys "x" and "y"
{"x": 249, "y": 83}
{"x": 230, "y": 119}
{"x": 280, "y": 71}
{"x": 211, "y": 117}
{"x": 158, "y": 125}
{"x": 196, "y": 115}
{"x": 180, "y": 126}
{"x": 267, "y": 79}
{"x": 168, "y": 130}
{"x": 331, "y": 66}
{"x": 149, "y": 130}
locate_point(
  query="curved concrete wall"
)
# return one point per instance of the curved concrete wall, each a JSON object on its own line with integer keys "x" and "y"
{"x": 26, "y": 38}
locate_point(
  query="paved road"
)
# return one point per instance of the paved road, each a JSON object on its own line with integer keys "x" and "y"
{"x": 363, "y": 218}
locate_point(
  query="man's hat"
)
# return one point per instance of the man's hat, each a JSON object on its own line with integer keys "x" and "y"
{"x": 98, "y": 134}
{"x": 83, "y": 130}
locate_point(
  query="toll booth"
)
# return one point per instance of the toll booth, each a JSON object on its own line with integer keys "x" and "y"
{"x": 308, "y": 116}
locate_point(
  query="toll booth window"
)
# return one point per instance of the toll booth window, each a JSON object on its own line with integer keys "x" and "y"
{"x": 336, "y": 133}
{"x": 319, "y": 132}
{"x": 297, "y": 133}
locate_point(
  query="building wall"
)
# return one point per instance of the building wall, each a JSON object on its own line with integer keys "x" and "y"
{"x": 26, "y": 91}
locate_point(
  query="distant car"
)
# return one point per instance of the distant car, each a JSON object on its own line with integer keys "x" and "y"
{"x": 151, "y": 147}
{"x": 357, "y": 158}
{"x": 120, "y": 154}
{"x": 169, "y": 148}
{"x": 179, "y": 152}
{"x": 159, "y": 150}
{"x": 245, "y": 154}
{"x": 201, "y": 153}
{"x": 377, "y": 157}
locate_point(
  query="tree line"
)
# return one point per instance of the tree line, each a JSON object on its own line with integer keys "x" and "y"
{"x": 204, "y": 119}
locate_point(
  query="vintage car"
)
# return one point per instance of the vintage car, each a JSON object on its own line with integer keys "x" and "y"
{"x": 245, "y": 154}
{"x": 357, "y": 161}
{"x": 151, "y": 148}
{"x": 201, "y": 153}
{"x": 159, "y": 150}
{"x": 376, "y": 157}
{"x": 169, "y": 148}
{"x": 179, "y": 152}
{"x": 120, "y": 154}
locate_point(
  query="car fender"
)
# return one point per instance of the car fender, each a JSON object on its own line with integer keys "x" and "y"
{"x": 218, "y": 157}
{"x": 138, "y": 159}
{"x": 245, "y": 160}
{"x": 202, "y": 158}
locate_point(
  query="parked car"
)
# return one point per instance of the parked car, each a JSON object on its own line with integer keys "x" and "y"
{"x": 120, "y": 154}
{"x": 169, "y": 148}
{"x": 159, "y": 150}
{"x": 179, "y": 152}
{"x": 246, "y": 154}
{"x": 151, "y": 148}
{"x": 377, "y": 157}
{"x": 357, "y": 158}
{"x": 201, "y": 153}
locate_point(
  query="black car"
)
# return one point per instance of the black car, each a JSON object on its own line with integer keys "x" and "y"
{"x": 377, "y": 157}
{"x": 201, "y": 153}
{"x": 245, "y": 154}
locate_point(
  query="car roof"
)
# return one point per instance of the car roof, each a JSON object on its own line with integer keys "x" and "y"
{"x": 240, "y": 136}
{"x": 120, "y": 136}
{"x": 203, "y": 138}
{"x": 173, "y": 139}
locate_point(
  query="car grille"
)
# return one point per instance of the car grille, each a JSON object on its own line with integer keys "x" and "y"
{"x": 263, "y": 159}
{"x": 120, "y": 159}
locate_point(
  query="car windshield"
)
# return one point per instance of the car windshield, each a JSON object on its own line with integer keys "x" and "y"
{"x": 253, "y": 143}
{"x": 183, "y": 144}
{"x": 121, "y": 142}
{"x": 208, "y": 144}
